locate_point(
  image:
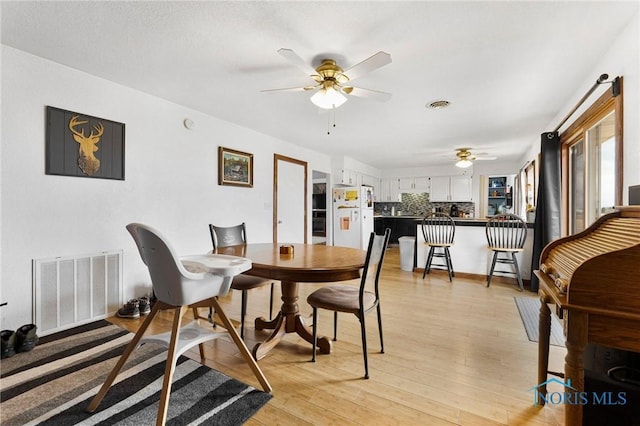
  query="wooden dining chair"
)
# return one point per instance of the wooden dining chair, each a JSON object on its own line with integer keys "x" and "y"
{"x": 178, "y": 288}
{"x": 236, "y": 236}
{"x": 357, "y": 300}
{"x": 506, "y": 233}
{"x": 438, "y": 230}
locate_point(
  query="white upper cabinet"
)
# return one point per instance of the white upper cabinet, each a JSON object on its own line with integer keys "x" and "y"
{"x": 461, "y": 188}
{"x": 349, "y": 177}
{"x": 370, "y": 181}
{"x": 353, "y": 178}
{"x": 389, "y": 190}
{"x": 439, "y": 188}
{"x": 413, "y": 184}
{"x": 450, "y": 188}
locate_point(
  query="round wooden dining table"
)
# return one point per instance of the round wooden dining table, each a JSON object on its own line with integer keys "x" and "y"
{"x": 306, "y": 263}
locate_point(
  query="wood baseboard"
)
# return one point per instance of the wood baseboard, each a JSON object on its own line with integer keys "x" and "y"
{"x": 479, "y": 277}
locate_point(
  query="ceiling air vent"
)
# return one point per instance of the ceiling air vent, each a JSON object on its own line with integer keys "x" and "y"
{"x": 438, "y": 104}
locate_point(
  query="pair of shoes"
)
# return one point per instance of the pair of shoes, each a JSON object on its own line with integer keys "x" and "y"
{"x": 26, "y": 338}
{"x": 135, "y": 307}
{"x": 8, "y": 343}
{"x": 145, "y": 305}
{"x": 131, "y": 309}
{"x": 23, "y": 339}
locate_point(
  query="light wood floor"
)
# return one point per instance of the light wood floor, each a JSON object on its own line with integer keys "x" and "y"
{"x": 455, "y": 354}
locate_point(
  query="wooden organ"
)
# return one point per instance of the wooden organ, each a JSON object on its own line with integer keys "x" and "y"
{"x": 593, "y": 279}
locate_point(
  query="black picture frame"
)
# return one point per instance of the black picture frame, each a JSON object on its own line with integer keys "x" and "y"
{"x": 82, "y": 145}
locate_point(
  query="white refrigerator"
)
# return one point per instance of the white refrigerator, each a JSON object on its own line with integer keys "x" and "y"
{"x": 352, "y": 216}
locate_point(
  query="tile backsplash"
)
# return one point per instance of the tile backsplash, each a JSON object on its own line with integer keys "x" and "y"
{"x": 419, "y": 205}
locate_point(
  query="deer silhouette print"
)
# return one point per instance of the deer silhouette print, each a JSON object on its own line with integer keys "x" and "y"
{"x": 87, "y": 161}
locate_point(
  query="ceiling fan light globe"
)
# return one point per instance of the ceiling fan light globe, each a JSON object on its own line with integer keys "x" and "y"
{"x": 463, "y": 164}
{"x": 328, "y": 98}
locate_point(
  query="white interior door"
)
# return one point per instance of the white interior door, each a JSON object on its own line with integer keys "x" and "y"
{"x": 290, "y": 200}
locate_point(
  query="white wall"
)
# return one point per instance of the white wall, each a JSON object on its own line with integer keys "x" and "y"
{"x": 170, "y": 181}
{"x": 621, "y": 59}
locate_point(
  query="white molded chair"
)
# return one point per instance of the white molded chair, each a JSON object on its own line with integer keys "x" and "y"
{"x": 236, "y": 236}
{"x": 181, "y": 285}
{"x": 357, "y": 300}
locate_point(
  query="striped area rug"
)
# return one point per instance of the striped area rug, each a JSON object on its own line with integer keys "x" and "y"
{"x": 529, "y": 309}
{"x": 54, "y": 383}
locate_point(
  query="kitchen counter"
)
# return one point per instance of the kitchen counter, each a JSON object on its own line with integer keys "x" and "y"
{"x": 405, "y": 226}
{"x": 459, "y": 221}
{"x": 469, "y": 252}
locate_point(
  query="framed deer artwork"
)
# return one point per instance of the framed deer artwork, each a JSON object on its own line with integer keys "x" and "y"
{"x": 82, "y": 145}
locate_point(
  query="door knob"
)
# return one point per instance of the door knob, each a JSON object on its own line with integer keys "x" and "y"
{"x": 279, "y": 222}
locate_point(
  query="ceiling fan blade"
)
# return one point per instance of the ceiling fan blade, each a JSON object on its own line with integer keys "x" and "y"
{"x": 296, "y": 60}
{"x": 374, "y": 62}
{"x": 488, "y": 158}
{"x": 366, "y": 93}
{"x": 291, "y": 89}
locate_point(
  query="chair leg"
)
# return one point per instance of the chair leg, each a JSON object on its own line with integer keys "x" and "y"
{"x": 241, "y": 347}
{"x": 211, "y": 317}
{"x": 493, "y": 266}
{"x": 515, "y": 263}
{"x": 453, "y": 273}
{"x": 271, "y": 303}
{"x": 196, "y": 317}
{"x": 170, "y": 366}
{"x": 364, "y": 344}
{"x": 335, "y": 326}
{"x": 380, "y": 328}
{"x": 447, "y": 260}
{"x": 123, "y": 358}
{"x": 427, "y": 265}
{"x": 243, "y": 312}
{"x": 315, "y": 334}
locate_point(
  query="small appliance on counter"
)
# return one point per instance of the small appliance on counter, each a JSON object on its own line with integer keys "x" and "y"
{"x": 453, "y": 212}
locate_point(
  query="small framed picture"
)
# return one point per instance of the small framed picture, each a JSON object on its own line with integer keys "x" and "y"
{"x": 235, "y": 167}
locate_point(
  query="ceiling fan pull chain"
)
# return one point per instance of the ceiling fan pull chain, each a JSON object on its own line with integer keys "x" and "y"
{"x": 328, "y": 125}
{"x": 334, "y": 116}
{"x": 329, "y": 120}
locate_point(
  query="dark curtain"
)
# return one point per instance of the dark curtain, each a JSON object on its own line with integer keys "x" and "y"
{"x": 548, "y": 219}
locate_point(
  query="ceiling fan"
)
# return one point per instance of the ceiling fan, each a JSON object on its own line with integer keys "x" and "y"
{"x": 332, "y": 83}
{"x": 465, "y": 158}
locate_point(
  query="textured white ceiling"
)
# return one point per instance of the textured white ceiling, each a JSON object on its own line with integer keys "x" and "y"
{"x": 508, "y": 68}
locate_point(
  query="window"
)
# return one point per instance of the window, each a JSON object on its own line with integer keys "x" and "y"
{"x": 592, "y": 164}
{"x": 576, "y": 187}
{"x": 531, "y": 185}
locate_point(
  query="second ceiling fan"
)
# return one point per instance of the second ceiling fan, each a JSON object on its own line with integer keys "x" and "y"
{"x": 466, "y": 158}
{"x": 332, "y": 83}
